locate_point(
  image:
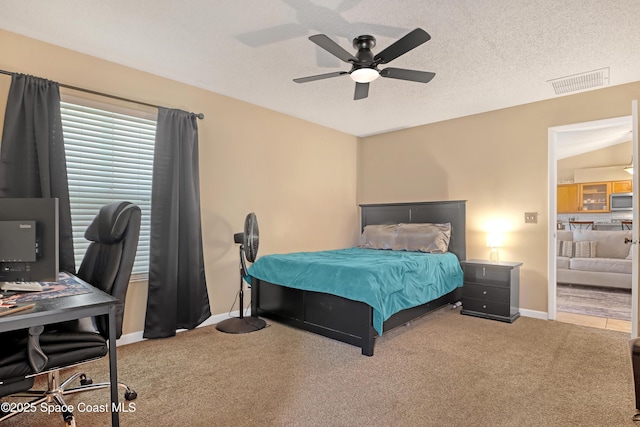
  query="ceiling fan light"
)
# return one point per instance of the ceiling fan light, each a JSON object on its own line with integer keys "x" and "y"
{"x": 629, "y": 168}
{"x": 364, "y": 75}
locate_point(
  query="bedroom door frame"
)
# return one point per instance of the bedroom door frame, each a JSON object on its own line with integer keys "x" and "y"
{"x": 552, "y": 207}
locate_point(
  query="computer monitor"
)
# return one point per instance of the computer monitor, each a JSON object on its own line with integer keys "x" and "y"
{"x": 29, "y": 240}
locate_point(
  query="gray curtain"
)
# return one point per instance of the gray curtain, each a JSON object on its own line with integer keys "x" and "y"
{"x": 178, "y": 297}
{"x": 32, "y": 158}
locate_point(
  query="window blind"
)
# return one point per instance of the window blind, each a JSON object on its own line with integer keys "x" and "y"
{"x": 109, "y": 158}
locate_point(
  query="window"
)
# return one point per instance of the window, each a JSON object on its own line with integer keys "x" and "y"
{"x": 109, "y": 158}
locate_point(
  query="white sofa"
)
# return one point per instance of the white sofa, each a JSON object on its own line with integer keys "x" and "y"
{"x": 610, "y": 267}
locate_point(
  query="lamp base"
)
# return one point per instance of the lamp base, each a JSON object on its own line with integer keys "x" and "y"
{"x": 493, "y": 255}
{"x": 237, "y": 325}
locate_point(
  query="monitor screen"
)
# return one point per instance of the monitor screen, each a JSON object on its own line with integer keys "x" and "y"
{"x": 28, "y": 240}
{"x": 17, "y": 241}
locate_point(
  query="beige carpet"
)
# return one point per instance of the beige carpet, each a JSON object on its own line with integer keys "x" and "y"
{"x": 445, "y": 369}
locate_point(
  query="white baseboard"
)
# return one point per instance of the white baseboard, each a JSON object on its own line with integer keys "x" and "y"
{"x": 134, "y": 337}
{"x": 535, "y": 314}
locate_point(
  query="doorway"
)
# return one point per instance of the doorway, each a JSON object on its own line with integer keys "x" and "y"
{"x": 565, "y": 142}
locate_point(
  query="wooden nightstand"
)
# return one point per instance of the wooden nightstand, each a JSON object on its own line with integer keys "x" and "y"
{"x": 491, "y": 289}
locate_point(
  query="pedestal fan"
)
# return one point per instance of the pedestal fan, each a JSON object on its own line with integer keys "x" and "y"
{"x": 248, "y": 241}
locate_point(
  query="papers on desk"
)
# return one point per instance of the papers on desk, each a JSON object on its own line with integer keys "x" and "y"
{"x": 66, "y": 285}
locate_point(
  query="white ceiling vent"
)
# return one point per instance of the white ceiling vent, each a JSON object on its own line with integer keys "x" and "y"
{"x": 582, "y": 81}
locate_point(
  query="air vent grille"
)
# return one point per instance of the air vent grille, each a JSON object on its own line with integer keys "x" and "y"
{"x": 582, "y": 81}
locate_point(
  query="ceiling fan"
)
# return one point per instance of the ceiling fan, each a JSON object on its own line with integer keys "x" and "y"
{"x": 364, "y": 65}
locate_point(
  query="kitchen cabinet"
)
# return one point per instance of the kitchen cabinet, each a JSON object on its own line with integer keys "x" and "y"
{"x": 622, "y": 186}
{"x": 567, "y": 198}
{"x": 588, "y": 197}
{"x": 594, "y": 197}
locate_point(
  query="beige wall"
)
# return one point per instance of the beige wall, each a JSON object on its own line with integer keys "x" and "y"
{"x": 299, "y": 178}
{"x": 497, "y": 161}
{"x": 616, "y": 156}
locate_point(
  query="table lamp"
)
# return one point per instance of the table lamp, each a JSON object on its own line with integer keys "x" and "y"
{"x": 494, "y": 241}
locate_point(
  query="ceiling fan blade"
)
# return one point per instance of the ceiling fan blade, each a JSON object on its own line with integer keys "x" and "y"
{"x": 411, "y": 75}
{"x": 362, "y": 91}
{"x": 332, "y": 47}
{"x": 319, "y": 77}
{"x": 412, "y": 40}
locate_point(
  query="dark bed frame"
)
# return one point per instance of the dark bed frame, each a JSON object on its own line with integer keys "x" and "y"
{"x": 352, "y": 321}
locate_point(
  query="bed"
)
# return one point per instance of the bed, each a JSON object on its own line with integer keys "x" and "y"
{"x": 359, "y": 319}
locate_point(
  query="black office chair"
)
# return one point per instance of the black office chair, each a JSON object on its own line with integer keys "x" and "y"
{"x": 106, "y": 265}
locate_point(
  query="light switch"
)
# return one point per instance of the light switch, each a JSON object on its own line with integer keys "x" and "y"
{"x": 531, "y": 217}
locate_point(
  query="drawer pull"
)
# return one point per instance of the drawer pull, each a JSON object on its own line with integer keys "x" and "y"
{"x": 484, "y": 306}
{"x": 484, "y": 273}
{"x": 484, "y": 292}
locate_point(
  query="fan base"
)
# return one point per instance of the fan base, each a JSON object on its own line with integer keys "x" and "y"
{"x": 236, "y": 325}
{"x": 364, "y": 42}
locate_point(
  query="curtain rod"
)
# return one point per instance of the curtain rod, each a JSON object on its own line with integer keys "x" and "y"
{"x": 93, "y": 92}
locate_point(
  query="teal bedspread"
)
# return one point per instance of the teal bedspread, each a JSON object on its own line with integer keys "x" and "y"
{"x": 388, "y": 281}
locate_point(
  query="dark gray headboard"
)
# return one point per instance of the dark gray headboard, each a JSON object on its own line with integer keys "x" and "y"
{"x": 452, "y": 211}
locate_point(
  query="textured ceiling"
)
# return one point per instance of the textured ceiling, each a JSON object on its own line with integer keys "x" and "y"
{"x": 487, "y": 54}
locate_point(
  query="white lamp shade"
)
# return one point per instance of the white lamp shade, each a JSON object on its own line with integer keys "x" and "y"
{"x": 494, "y": 240}
{"x": 364, "y": 75}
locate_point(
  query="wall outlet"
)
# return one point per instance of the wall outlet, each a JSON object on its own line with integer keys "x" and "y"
{"x": 531, "y": 217}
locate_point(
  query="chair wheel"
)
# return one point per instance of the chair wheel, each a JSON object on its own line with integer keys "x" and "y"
{"x": 68, "y": 418}
{"x": 130, "y": 395}
{"x": 84, "y": 380}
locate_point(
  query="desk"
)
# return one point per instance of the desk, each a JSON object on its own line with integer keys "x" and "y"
{"x": 62, "y": 309}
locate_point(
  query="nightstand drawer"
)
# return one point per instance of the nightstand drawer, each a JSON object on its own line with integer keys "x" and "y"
{"x": 489, "y": 293}
{"x": 487, "y": 274}
{"x": 486, "y": 306}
